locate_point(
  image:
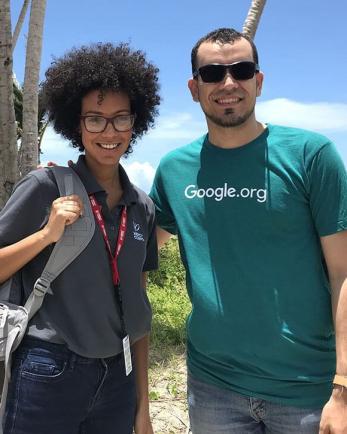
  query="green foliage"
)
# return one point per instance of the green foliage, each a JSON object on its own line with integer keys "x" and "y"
{"x": 154, "y": 395}
{"x": 170, "y": 303}
{"x": 171, "y": 272}
{"x": 42, "y": 121}
{"x": 170, "y": 310}
{"x": 18, "y": 108}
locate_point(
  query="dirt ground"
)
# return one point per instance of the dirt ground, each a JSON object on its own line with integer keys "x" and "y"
{"x": 167, "y": 388}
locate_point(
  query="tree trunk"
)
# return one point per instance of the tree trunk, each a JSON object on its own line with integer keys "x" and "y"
{"x": 28, "y": 158}
{"x": 19, "y": 23}
{"x": 8, "y": 142}
{"x": 251, "y": 23}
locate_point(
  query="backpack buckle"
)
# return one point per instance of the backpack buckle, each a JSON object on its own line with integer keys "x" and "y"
{"x": 41, "y": 286}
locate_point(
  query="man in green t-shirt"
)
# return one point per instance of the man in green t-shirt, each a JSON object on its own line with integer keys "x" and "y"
{"x": 261, "y": 216}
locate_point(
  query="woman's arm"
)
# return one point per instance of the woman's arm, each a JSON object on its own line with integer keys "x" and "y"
{"x": 141, "y": 348}
{"x": 64, "y": 211}
{"x": 142, "y": 421}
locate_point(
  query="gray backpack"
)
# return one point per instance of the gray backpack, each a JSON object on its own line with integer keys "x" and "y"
{"x": 14, "y": 319}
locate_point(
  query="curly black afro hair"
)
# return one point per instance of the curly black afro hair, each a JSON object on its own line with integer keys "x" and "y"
{"x": 103, "y": 67}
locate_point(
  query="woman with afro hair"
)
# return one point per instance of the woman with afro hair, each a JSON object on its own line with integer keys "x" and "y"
{"x": 71, "y": 374}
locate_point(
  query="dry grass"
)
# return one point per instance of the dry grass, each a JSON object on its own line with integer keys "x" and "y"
{"x": 167, "y": 386}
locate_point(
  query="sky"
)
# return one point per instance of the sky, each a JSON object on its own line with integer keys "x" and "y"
{"x": 301, "y": 45}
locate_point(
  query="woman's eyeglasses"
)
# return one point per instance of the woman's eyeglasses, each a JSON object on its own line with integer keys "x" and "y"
{"x": 98, "y": 124}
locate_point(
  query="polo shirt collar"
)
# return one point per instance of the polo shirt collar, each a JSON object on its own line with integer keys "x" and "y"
{"x": 92, "y": 186}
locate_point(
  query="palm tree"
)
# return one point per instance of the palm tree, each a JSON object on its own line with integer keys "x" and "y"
{"x": 251, "y": 23}
{"x": 42, "y": 121}
{"x": 28, "y": 155}
{"x": 19, "y": 23}
{"x": 8, "y": 143}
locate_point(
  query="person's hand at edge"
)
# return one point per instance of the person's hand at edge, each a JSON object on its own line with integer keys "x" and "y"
{"x": 334, "y": 414}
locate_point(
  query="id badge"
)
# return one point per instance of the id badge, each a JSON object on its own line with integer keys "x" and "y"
{"x": 127, "y": 355}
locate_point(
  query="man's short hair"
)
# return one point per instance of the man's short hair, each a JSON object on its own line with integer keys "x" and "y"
{"x": 225, "y": 36}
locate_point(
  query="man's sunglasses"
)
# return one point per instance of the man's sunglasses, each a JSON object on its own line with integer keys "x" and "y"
{"x": 215, "y": 72}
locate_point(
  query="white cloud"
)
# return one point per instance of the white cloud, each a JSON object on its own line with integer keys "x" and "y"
{"x": 141, "y": 174}
{"x": 56, "y": 149}
{"x": 322, "y": 116}
{"x": 177, "y": 126}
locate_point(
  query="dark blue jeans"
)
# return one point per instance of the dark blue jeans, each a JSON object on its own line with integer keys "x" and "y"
{"x": 55, "y": 391}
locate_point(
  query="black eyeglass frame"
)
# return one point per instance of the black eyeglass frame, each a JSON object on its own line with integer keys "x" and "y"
{"x": 108, "y": 121}
{"x": 227, "y": 67}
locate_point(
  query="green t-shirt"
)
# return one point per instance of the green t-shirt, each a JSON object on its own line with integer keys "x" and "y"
{"x": 248, "y": 221}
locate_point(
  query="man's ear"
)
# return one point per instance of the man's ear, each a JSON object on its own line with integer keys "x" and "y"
{"x": 259, "y": 82}
{"x": 194, "y": 90}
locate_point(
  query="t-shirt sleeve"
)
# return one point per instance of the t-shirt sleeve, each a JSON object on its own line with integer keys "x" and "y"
{"x": 159, "y": 195}
{"x": 328, "y": 191}
{"x": 24, "y": 213}
{"x": 151, "y": 261}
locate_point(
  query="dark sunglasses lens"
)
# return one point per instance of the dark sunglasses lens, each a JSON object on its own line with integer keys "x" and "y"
{"x": 212, "y": 73}
{"x": 216, "y": 73}
{"x": 243, "y": 70}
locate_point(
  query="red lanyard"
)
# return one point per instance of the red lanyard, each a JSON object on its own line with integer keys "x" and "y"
{"x": 121, "y": 236}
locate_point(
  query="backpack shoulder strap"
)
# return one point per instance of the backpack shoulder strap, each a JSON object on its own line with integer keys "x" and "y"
{"x": 75, "y": 239}
{"x": 77, "y": 236}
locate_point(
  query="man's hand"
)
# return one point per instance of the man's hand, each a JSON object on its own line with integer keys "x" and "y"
{"x": 53, "y": 164}
{"x": 162, "y": 236}
{"x": 334, "y": 415}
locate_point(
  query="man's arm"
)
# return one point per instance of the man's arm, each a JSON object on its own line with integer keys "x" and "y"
{"x": 163, "y": 236}
{"x": 142, "y": 421}
{"x": 334, "y": 416}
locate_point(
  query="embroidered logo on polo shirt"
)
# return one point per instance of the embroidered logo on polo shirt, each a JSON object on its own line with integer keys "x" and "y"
{"x": 137, "y": 235}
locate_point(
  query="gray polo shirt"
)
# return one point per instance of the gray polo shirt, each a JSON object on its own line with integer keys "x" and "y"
{"x": 82, "y": 311}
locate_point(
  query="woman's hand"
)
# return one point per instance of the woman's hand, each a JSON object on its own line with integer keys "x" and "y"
{"x": 143, "y": 423}
{"x": 65, "y": 211}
